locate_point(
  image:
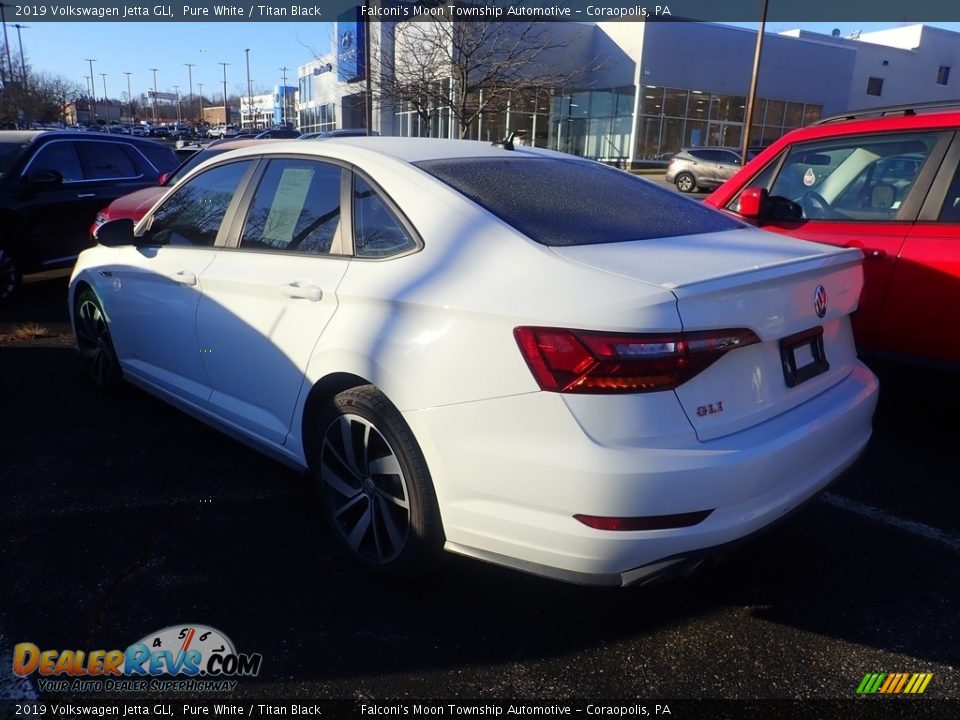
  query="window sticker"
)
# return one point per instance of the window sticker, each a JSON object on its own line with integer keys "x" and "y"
{"x": 287, "y": 205}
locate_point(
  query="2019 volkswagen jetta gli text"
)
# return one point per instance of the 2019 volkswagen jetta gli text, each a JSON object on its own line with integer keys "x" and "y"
{"x": 514, "y": 355}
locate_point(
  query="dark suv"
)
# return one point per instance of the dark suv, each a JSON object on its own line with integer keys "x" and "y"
{"x": 51, "y": 186}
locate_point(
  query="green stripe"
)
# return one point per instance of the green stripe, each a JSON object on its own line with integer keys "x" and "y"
{"x": 863, "y": 683}
{"x": 879, "y": 681}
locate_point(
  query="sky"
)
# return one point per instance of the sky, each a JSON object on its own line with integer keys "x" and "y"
{"x": 61, "y": 49}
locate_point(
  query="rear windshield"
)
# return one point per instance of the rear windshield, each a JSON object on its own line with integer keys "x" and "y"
{"x": 559, "y": 202}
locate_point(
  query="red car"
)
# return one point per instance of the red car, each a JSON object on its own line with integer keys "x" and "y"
{"x": 886, "y": 181}
{"x": 135, "y": 205}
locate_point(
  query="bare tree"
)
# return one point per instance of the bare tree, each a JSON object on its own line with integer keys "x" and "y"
{"x": 470, "y": 67}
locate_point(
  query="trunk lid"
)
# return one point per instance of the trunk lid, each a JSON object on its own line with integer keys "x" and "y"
{"x": 770, "y": 284}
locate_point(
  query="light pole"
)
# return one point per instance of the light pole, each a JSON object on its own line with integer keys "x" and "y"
{"x": 176, "y": 89}
{"x": 6, "y": 41}
{"x": 93, "y": 93}
{"x": 201, "y": 102}
{"x": 154, "y": 94}
{"x": 249, "y": 90}
{"x": 129, "y": 96}
{"x": 283, "y": 95}
{"x": 226, "y": 112}
{"x": 748, "y": 120}
{"x": 106, "y": 103}
{"x": 190, "y": 80}
{"x": 23, "y": 65}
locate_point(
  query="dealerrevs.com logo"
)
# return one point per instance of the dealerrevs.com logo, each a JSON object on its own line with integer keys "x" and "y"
{"x": 201, "y": 658}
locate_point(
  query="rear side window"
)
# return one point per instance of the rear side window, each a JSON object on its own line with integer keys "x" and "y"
{"x": 559, "y": 202}
{"x": 377, "y": 232}
{"x": 161, "y": 156}
{"x": 106, "y": 161}
{"x": 60, "y": 156}
{"x": 296, "y": 208}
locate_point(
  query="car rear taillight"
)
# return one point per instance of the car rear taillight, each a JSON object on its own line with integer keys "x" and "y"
{"x": 584, "y": 361}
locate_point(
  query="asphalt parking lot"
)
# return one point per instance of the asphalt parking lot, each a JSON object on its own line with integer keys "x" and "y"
{"x": 122, "y": 516}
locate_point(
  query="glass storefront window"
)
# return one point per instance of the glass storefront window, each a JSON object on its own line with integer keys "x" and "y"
{"x": 774, "y": 116}
{"x": 601, "y": 103}
{"x": 695, "y": 134}
{"x": 675, "y": 103}
{"x": 730, "y": 107}
{"x": 794, "y": 115}
{"x": 651, "y": 100}
{"x": 812, "y": 113}
{"x": 624, "y": 102}
{"x": 648, "y": 136}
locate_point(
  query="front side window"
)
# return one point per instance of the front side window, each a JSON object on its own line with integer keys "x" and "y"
{"x": 61, "y": 157}
{"x": 192, "y": 215}
{"x": 296, "y": 208}
{"x": 377, "y": 232}
{"x": 864, "y": 178}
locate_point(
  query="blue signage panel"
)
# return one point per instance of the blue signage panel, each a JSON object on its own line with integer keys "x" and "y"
{"x": 351, "y": 45}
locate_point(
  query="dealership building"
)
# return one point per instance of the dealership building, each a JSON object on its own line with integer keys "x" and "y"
{"x": 635, "y": 91}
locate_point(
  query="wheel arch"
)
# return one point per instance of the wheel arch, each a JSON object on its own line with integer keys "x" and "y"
{"x": 324, "y": 390}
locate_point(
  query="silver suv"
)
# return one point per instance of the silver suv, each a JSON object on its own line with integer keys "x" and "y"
{"x": 702, "y": 168}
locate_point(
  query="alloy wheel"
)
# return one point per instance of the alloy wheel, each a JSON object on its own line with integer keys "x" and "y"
{"x": 368, "y": 497}
{"x": 93, "y": 338}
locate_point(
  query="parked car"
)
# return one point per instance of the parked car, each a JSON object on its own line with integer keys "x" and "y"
{"x": 52, "y": 183}
{"x": 278, "y": 133}
{"x": 136, "y": 204}
{"x": 887, "y": 182}
{"x": 702, "y": 168}
{"x": 465, "y": 362}
{"x": 343, "y": 132}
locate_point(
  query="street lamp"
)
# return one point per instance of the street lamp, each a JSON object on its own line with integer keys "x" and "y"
{"x": 283, "y": 95}
{"x": 129, "y": 96}
{"x": 23, "y": 65}
{"x": 249, "y": 89}
{"x": 226, "y": 112}
{"x": 201, "y": 101}
{"x": 748, "y": 120}
{"x": 154, "y": 94}
{"x": 6, "y": 41}
{"x": 190, "y": 67}
{"x": 93, "y": 90}
{"x": 106, "y": 103}
{"x": 176, "y": 89}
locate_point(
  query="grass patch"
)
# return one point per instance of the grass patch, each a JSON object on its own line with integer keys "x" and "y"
{"x": 28, "y": 331}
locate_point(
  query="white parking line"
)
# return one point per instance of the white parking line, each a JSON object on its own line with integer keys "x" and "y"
{"x": 930, "y": 533}
{"x": 12, "y": 687}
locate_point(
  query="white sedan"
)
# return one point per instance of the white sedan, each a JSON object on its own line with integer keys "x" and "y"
{"x": 511, "y": 354}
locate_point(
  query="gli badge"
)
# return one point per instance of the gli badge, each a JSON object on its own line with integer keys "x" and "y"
{"x": 820, "y": 301}
{"x": 711, "y": 409}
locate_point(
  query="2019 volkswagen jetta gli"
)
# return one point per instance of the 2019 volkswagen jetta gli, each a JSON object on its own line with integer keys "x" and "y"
{"x": 514, "y": 355}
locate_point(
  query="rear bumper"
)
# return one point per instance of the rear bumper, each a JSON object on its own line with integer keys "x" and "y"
{"x": 511, "y": 473}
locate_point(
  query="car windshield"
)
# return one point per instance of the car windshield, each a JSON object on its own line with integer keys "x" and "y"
{"x": 191, "y": 162}
{"x": 559, "y": 202}
{"x": 9, "y": 152}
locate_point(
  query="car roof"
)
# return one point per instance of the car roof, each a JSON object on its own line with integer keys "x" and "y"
{"x": 20, "y": 136}
{"x": 409, "y": 150}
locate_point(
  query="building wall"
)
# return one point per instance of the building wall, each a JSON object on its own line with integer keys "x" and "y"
{"x": 908, "y": 64}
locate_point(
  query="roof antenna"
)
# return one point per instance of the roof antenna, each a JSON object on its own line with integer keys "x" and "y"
{"x": 506, "y": 143}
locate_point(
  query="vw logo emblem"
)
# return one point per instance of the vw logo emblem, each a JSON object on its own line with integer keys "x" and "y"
{"x": 820, "y": 301}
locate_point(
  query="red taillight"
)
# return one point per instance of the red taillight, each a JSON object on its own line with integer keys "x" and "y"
{"x": 583, "y": 361}
{"x": 649, "y": 522}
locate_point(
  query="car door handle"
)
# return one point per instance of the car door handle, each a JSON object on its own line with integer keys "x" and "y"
{"x": 303, "y": 292}
{"x": 86, "y": 195}
{"x": 183, "y": 278}
{"x": 874, "y": 253}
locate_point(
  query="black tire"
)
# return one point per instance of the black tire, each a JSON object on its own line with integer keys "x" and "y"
{"x": 10, "y": 275}
{"x": 387, "y": 521}
{"x": 92, "y": 332}
{"x": 685, "y": 182}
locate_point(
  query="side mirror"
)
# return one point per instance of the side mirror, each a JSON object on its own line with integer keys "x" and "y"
{"x": 44, "y": 178}
{"x": 115, "y": 233}
{"x": 752, "y": 202}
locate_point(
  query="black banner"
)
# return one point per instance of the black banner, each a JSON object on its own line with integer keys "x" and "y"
{"x": 484, "y": 10}
{"x": 861, "y": 709}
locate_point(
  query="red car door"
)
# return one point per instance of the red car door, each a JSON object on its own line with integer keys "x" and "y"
{"x": 922, "y": 308}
